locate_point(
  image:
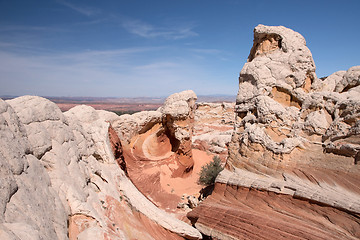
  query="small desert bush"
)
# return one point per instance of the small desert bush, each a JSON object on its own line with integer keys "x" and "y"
{"x": 210, "y": 171}
{"x": 119, "y": 113}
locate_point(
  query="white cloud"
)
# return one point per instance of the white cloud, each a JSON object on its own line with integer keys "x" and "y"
{"x": 119, "y": 72}
{"x": 7, "y": 44}
{"x": 157, "y": 66}
{"x": 146, "y": 30}
{"x": 87, "y": 11}
{"x": 206, "y": 50}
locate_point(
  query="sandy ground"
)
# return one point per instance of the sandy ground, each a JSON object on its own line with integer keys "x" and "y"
{"x": 188, "y": 185}
{"x": 154, "y": 179}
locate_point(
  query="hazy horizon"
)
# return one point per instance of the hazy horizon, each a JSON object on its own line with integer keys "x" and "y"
{"x": 121, "y": 97}
{"x": 156, "y": 48}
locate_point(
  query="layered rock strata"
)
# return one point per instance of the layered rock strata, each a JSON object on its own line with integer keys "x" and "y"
{"x": 60, "y": 178}
{"x": 236, "y": 212}
{"x": 295, "y": 141}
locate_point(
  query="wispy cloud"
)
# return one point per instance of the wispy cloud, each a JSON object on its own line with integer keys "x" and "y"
{"x": 207, "y": 50}
{"x": 87, "y": 11}
{"x": 146, "y": 30}
{"x": 93, "y": 22}
{"x": 25, "y": 28}
{"x": 204, "y": 53}
{"x": 158, "y": 66}
{"x": 7, "y": 44}
{"x": 116, "y": 72}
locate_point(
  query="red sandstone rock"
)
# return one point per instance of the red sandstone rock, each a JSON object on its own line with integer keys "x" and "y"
{"x": 240, "y": 213}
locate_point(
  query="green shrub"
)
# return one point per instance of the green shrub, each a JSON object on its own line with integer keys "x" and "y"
{"x": 210, "y": 171}
{"x": 119, "y": 113}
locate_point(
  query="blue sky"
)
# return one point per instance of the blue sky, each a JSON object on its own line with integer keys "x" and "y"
{"x": 131, "y": 48}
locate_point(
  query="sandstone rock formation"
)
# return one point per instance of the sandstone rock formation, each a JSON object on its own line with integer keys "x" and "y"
{"x": 60, "y": 178}
{"x": 214, "y": 123}
{"x": 178, "y": 120}
{"x": 294, "y": 150}
{"x": 292, "y": 170}
{"x": 158, "y": 150}
{"x": 157, "y": 135}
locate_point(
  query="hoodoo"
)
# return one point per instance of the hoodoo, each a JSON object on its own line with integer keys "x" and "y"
{"x": 292, "y": 169}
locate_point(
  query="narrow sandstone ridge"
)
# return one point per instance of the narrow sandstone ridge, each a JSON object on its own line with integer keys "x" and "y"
{"x": 59, "y": 168}
{"x": 295, "y": 143}
{"x": 117, "y": 148}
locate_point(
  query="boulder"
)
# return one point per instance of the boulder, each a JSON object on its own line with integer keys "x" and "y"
{"x": 157, "y": 135}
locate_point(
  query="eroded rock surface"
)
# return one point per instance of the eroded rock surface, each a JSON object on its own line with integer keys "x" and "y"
{"x": 161, "y": 134}
{"x": 214, "y": 124}
{"x": 235, "y": 212}
{"x": 295, "y": 141}
{"x": 178, "y": 121}
{"x": 158, "y": 151}
{"x": 60, "y": 178}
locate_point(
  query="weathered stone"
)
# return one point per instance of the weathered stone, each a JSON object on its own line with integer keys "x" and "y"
{"x": 281, "y": 103}
{"x": 214, "y": 123}
{"x": 127, "y": 126}
{"x": 58, "y": 168}
{"x": 178, "y": 120}
{"x": 350, "y": 80}
{"x": 294, "y": 149}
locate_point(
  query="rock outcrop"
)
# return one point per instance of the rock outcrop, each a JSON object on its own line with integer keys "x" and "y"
{"x": 178, "y": 120}
{"x": 161, "y": 134}
{"x": 60, "y": 178}
{"x": 214, "y": 123}
{"x": 158, "y": 151}
{"x": 292, "y": 170}
{"x": 294, "y": 149}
